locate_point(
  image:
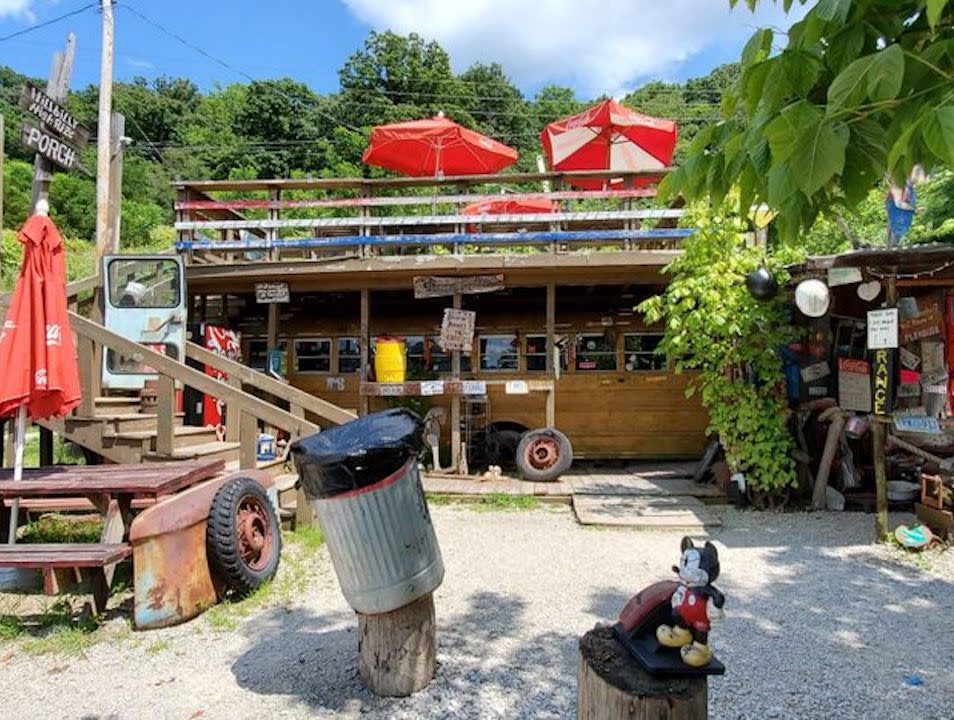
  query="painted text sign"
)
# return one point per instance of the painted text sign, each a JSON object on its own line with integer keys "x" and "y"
{"x": 272, "y": 292}
{"x": 41, "y": 141}
{"x": 882, "y": 381}
{"x": 882, "y": 329}
{"x": 57, "y": 119}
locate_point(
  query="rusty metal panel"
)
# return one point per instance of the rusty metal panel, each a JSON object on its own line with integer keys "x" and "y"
{"x": 172, "y": 582}
{"x": 382, "y": 543}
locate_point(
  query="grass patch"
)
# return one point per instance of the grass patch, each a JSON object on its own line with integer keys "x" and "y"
{"x": 493, "y": 502}
{"x": 294, "y": 572}
{"x": 56, "y": 630}
{"x": 63, "y": 529}
{"x": 158, "y": 646}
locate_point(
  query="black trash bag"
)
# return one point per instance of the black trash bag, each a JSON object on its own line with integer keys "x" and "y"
{"x": 358, "y": 453}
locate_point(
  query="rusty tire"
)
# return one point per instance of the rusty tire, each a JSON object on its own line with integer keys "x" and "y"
{"x": 244, "y": 537}
{"x": 544, "y": 455}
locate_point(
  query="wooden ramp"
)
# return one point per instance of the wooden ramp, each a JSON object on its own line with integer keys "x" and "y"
{"x": 685, "y": 514}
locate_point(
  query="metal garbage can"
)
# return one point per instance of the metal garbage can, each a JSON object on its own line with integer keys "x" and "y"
{"x": 362, "y": 480}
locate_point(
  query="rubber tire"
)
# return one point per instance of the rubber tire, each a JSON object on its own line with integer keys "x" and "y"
{"x": 563, "y": 463}
{"x": 222, "y": 538}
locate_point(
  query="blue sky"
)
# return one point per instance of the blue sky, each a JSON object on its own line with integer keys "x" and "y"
{"x": 615, "y": 48}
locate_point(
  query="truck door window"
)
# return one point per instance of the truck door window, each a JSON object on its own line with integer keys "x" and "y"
{"x": 144, "y": 283}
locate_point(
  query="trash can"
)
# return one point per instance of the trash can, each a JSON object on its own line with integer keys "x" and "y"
{"x": 390, "y": 360}
{"x": 362, "y": 480}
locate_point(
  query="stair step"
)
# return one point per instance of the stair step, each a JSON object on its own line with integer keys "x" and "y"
{"x": 274, "y": 467}
{"x": 181, "y": 431}
{"x": 183, "y": 436}
{"x": 207, "y": 451}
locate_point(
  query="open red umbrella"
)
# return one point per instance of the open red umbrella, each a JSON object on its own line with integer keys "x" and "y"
{"x": 39, "y": 374}
{"x": 609, "y": 136}
{"x": 436, "y": 146}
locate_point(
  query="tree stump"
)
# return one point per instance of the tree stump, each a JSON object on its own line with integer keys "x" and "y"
{"x": 397, "y": 649}
{"x": 612, "y": 685}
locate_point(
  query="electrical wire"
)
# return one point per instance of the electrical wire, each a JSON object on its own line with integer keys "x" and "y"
{"x": 47, "y": 23}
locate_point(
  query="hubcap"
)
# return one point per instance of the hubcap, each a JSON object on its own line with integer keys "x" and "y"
{"x": 542, "y": 453}
{"x": 252, "y": 529}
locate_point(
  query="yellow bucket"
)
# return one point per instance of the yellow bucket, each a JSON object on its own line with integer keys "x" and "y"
{"x": 390, "y": 363}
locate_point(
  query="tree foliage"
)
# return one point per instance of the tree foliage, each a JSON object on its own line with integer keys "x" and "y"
{"x": 714, "y": 326}
{"x": 860, "y": 88}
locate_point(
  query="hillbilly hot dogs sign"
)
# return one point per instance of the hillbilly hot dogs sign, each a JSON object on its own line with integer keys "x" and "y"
{"x": 54, "y": 132}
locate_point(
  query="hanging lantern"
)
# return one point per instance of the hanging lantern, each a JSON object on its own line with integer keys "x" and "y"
{"x": 812, "y": 298}
{"x": 761, "y": 284}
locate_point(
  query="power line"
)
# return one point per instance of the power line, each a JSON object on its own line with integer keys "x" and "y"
{"x": 47, "y": 23}
{"x": 178, "y": 38}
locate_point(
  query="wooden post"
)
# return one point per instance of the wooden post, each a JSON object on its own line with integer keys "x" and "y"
{"x": 248, "y": 437}
{"x": 272, "y": 327}
{"x": 166, "y": 416}
{"x": 117, "y": 129}
{"x": 455, "y": 402}
{"x": 103, "y": 133}
{"x": 397, "y": 650}
{"x": 2, "y": 140}
{"x": 551, "y": 361}
{"x": 88, "y": 369}
{"x": 612, "y": 685}
{"x": 46, "y": 447}
{"x": 878, "y": 436}
{"x": 363, "y": 403}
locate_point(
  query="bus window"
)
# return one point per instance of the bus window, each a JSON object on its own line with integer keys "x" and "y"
{"x": 313, "y": 356}
{"x": 349, "y": 355}
{"x": 593, "y": 352}
{"x": 498, "y": 352}
{"x": 536, "y": 353}
{"x": 639, "y": 351}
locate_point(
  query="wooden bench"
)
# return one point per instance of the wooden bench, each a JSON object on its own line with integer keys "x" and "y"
{"x": 66, "y": 563}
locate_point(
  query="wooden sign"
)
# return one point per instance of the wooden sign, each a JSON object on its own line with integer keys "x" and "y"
{"x": 927, "y": 425}
{"x": 429, "y": 286}
{"x": 929, "y": 322}
{"x": 474, "y": 387}
{"x": 882, "y": 381}
{"x": 41, "y": 141}
{"x": 56, "y": 118}
{"x": 457, "y": 330}
{"x": 854, "y": 385}
{"x": 934, "y": 368}
{"x": 882, "y": 329}
{"x": 815, "y": 372}
{"x": 432, "y": 387}
{"x": 517, "y": 387}
{"x": 272, "y": 292}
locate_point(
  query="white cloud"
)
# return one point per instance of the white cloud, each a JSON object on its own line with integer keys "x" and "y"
{"x": 17, "y": 9}
{"x": 597, "y": 47}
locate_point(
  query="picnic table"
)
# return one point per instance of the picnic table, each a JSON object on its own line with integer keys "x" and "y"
{"x": 111, "y": 489}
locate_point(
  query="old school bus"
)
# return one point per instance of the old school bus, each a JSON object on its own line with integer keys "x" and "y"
{"x": 557, "y": 340}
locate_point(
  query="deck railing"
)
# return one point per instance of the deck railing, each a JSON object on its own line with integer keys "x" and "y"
{"x": 249, "y": 220}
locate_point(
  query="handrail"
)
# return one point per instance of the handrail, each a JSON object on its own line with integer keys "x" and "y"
{"x": 405, "y": 182}
{"x": 76, "y": 287}
{"x": 245, "y": 409}
{"x": 283, "y": 391}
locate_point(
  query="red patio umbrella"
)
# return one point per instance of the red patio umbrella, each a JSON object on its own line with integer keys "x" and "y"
{"x": 436, "y": 146}
{"x": 510, "y": 206}
{"x": 609, "y": 136}
{"x": 39, "y": 374}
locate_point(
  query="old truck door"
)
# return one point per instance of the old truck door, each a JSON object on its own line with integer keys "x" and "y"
{"x": 145, "y": 302}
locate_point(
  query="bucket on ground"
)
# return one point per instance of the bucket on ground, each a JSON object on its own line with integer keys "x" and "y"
{"x": 362, "y": 480}
{"x": 390, "y": 361}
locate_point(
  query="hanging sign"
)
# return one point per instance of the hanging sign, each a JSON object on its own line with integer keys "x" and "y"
{"x": 934, "y": 367}
{"x": 843, "y": 276}
{"x": 517, "y": 387}
{"x": 432, "y": 387}
{"x": 882, "y": 329}
{"x": 882, "y": 381}
{"x": 473, "y": 387}
{"x": 909, "y": 359}
{"x": 391, "y": 389}
{"x": 457, "y": 330}
{"x": 927, "y": 425}
{"x": 56, "y": 118}
{"x": 429, "y": 286}
{"x": 854, "y": 385}
{"x": 267, "y": 293}
{"x": 815, "y": 372}
{"x": 927, "y": 323}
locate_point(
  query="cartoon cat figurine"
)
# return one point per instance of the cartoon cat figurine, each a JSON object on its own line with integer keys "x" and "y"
{"x": 695, "y": 604}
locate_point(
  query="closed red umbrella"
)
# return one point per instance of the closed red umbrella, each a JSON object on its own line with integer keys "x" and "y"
{"x": 436, "y": 146}
{"x": 609, "y": 136}
{"x": 39, "y": 377}
{"x": 510, "y": 206}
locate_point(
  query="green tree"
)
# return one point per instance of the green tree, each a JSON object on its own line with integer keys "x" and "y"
{"x": 860, "y": 88}
{"x": 499, "y": 107}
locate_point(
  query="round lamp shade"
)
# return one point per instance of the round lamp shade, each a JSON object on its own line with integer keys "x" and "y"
{"x": 812, "y": 298}
{"x": 761, "y": 284}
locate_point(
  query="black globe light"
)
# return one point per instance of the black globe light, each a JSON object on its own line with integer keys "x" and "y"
{"x": 761, "y": 284}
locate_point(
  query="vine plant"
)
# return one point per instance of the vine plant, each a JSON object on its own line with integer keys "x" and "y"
{"x": 714, "y": 326}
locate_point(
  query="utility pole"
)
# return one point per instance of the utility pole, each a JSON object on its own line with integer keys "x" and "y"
{"x": 117, "y": 141}
{"x": 1, "y": 188}
{"x": 57, "y": 87}
{"x": 104, "y": 136}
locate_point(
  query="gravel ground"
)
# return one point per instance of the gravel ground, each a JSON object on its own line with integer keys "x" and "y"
{"x": 819, "y": 625}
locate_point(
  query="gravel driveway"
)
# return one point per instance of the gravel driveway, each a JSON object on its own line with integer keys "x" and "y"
{"x": 819, "y": 625}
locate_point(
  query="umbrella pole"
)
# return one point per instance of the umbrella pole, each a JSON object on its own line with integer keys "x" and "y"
{"x": 19, "y": 436}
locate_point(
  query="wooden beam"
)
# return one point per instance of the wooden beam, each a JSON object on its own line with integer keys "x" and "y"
{"x": 46, "y": 447}
{"x": 455, "y": 401}
{"x": 248, "y": 437}
{"x": 878, "y": 433}
{"x": 365, "y": 340}
{"x": 166, "y": 412}
{"x": 272, "y": 326}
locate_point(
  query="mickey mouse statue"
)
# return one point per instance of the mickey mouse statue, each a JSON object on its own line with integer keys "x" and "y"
{"x": 695, "y": 604}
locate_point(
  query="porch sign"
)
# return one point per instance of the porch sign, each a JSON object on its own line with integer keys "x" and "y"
{"x": 430, "y": 286}
{"x": 457, "y": 330}
{"x": 267, "y": 293}
{"x": 44, "y": 143}
{"x": 57, "y": 119}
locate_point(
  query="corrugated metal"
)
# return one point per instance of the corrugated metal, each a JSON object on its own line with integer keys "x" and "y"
{"x": 382, "y": 544}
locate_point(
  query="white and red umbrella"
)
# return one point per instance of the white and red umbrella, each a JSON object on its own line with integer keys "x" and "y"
{"x": 609, "y": 136}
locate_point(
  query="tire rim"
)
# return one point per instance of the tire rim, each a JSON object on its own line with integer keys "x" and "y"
{"x": 542, "y": 453}
{"x": 253, "y": 529}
